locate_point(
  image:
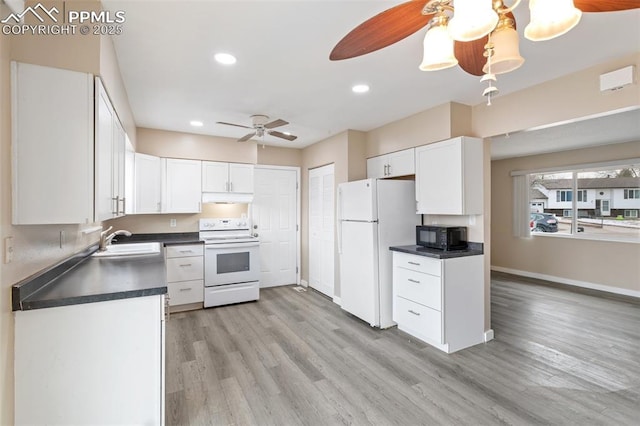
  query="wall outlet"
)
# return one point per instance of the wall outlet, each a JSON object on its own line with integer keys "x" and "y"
{"x": 8, "y": 250}
{"x": 173, "y": 223}
{"x": 472, "y": 220}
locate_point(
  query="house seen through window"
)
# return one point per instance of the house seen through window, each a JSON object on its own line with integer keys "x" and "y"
{"x": 606, "y": 202}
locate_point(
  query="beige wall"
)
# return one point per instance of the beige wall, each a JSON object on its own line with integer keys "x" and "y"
{"x": 613, "y": 264}
{"x": 278, "y": 156}
{"x": 436, "y": 124}
{"x": 164, "y": 143}
{"x": 568, "y": 98}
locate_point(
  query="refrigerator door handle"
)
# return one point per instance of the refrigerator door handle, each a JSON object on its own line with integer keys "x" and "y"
{"x": 339, "y": 214}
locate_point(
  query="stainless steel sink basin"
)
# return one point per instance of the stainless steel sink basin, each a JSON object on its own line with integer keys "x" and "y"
{"x": 133, "y": 249}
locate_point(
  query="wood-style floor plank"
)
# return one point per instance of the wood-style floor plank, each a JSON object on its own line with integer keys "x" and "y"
{"x": 561, "y": 356}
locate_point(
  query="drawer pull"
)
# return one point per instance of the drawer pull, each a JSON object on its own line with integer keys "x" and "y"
{"x": 414, "y": 312}
{"x": 413, "y": 281}
{"x": 186, "y": 265}
{"x": 186, "y": 251}
{"x": 186, "y": 289}
{"x": 414, "y": 263}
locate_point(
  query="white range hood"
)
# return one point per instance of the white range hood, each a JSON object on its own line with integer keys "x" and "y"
{"x": 226, "y": 197}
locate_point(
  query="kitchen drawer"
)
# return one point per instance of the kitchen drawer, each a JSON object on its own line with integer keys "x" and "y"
{"x": 184, "y": 292}
{"x": 417, "y": 263}
{"x": 418, "y": 287}
{"x": 184, "y": 251}
{"x": 418, "y": 320}
{"x": 185, "y": 269}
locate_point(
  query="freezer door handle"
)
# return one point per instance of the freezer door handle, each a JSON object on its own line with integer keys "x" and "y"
{"x": 339, "y": 214}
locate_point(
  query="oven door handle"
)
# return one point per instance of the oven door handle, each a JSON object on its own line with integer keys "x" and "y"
{"x": 230, "y": 245}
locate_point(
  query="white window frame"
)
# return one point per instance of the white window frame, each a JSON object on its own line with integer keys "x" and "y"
{"x": 636, "y": 193}
{"x": 634, "y": 215}
{"x": 574, "y": 169}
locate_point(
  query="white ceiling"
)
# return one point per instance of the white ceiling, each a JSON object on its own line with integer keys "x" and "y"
{"x": 166, "y": 58}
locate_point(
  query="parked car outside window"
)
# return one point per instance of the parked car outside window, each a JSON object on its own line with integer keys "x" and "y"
{"x": 543, "y": 222}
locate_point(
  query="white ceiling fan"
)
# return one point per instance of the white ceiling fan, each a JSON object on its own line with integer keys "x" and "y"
{"x": 261, "y": 125}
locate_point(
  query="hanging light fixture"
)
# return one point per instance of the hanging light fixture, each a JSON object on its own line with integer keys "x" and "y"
{"x": 506, "y": 47}
{"x": 551, "y": 18}
{"x": 438, "y": 45}
{"x": 472, "y": 19}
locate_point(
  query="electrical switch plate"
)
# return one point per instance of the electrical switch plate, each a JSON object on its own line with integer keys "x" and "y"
{"x": 172, "y": 223}
{"x": 8, "y": 249}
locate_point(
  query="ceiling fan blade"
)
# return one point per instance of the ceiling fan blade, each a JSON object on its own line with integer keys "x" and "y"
{"x": 231, "y": 124}
{"x": 282, "y": 135}
{"x": 606, "y": 5}
{"x": 275, "y": 123}
{"x": 382, "y": 30}
{"x": 247, "y": 137}
{"x": 470, "y": 54}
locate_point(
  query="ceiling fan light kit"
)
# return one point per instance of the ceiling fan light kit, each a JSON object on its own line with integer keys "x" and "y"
{"x": 438, "y": 46}
{"x": 506, "y": 57}
{"x": 551, "y": 18}
{"x": 472, "y": 19}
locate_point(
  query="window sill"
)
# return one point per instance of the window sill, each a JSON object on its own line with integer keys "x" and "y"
{"x": 588, "y": 237}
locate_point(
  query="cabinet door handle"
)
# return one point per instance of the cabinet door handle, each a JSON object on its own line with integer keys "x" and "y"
{"x": 414, "y": 263}
{"x": 227, "y": 186}
{"x": 185, "y": 265}
{"x": 413, "y": 281}
{"x": 388, "y": 169}
{"x": 186, "y": 289}
{"x": 414, "y": 312}
{"x": 230, "y": 186}
{"x": 117, "y": 204}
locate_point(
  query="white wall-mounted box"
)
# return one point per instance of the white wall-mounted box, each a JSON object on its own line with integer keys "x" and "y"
{"x": 617, "y": 79}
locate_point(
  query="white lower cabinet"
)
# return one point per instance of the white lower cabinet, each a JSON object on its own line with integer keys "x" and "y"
{"x": 440, "y": 301}
{"x": 93, "y": 363}
{"x": 185, "y": 275}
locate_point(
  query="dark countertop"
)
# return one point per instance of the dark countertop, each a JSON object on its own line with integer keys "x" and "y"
{"x": 86, "y": 279}
{"x": 474, "y": 249}
{"x": 168, "y": 239}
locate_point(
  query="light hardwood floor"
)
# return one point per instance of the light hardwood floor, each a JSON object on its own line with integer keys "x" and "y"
{"x": 559, "y": 357}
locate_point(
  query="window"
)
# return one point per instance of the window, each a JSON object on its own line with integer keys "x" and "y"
{"x": 592, "y": 201}
{"x": 632, "y": 194}
{"x": 631, "y": 213}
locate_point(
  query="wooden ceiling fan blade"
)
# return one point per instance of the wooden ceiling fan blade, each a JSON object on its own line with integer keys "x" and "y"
{"x": 606, "y": 5}
{"x": 276, "y": 123}
{"x": 282, "y": 135}
{"x": 384, "y": 29}
{"x": 247, "y": 137}
{"x": 231, "y": 124}
{"x": 470, "y": 55}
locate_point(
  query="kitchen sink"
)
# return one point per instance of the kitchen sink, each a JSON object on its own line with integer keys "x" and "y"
{"x": 133, "y": 249}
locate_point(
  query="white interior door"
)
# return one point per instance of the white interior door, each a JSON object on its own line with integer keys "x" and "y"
{"x": 321, "y": 229}
{"x": 275, "y": 213}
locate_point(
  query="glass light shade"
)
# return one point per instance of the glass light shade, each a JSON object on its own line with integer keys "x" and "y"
{"x": 506, "y": 52}
{"x": 472, "y": 19}
{"x": 551, "y": 18}
{"x": 438, "y": 50}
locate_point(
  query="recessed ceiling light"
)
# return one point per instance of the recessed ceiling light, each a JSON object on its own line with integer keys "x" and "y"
{"x": 360, "y": 88}
{"x": 225, "y": 58}
{"x": 196, "y": 123}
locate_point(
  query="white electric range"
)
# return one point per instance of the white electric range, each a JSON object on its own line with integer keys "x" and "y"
{"x": 231, "y": 261}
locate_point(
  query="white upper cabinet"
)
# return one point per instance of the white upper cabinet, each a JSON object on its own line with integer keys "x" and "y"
{"x": 449, "y": 177}
{"x": 182, "y": 185}
{"x": 227, "y": 177}
{"x": 52, "y": 145}
{"x": 110, "y": 141}
{"x": 148, "y": 184}
{"x": 401, "y": 163}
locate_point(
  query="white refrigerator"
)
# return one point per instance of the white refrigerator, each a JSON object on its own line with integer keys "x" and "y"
{"x": 372, "y": 216}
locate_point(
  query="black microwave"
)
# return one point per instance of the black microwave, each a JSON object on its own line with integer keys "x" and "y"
{"x": 442, "y": 237}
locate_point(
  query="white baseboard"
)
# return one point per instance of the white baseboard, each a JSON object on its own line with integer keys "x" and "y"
{"x": 576, "y": 283}
{"x": 304, "y": 283}
{"x": 488, "y": 335}
{"x": 337, "y": 300}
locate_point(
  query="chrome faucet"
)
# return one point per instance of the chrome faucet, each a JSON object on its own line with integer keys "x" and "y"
{"x": 106, "y": 238}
